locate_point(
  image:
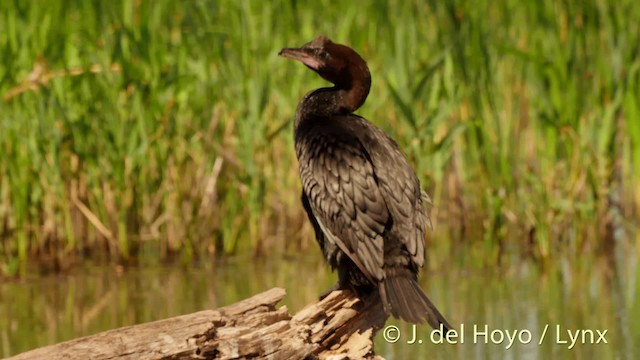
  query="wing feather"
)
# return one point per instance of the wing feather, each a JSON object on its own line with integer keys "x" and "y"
{"x": 357, "y": 197}
{"x": 344, "y": 197}
{"x": 401, "y": 187}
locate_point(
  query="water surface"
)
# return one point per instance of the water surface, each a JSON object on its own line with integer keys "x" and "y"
{"x": 587, "y": 297}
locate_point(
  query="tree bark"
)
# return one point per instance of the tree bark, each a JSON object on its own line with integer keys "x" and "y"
{"x": 340, "y": 326}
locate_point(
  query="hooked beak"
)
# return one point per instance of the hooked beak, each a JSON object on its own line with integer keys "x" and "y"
{"x": 301, "y": 54}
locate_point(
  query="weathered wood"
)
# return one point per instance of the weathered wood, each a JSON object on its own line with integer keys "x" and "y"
{"x": 341, "y": 326}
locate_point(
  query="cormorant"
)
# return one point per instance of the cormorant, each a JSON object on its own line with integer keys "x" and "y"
{"x": 360, "y": 193}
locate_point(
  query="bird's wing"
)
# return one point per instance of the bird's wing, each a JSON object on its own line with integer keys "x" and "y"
{"x": 400, "y": 187}
{"x": 342, "y": 191}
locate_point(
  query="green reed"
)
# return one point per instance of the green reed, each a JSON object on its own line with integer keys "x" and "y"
{"x": 135, "y": 128}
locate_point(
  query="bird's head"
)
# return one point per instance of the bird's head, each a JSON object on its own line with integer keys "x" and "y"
{"x": 336, "y": 63}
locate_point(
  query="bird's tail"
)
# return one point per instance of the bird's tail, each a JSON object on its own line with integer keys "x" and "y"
{"x": 403, "y": 298}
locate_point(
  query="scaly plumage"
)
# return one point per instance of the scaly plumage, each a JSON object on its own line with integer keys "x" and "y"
{"x": 360, "y": 193}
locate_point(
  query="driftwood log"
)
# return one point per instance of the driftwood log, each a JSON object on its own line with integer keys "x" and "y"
{"x": 340, "y": 326}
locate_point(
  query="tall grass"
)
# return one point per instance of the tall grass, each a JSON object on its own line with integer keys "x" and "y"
{"x": 134, "y": 129}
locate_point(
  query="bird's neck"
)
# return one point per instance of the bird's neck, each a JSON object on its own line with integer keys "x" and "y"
{"x": 337, "y": 100}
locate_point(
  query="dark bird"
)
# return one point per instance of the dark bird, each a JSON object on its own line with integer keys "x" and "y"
{"x": 360, "y": 193}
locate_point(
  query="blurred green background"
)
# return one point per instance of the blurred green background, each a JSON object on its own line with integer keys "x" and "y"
{"x": 160, "y": 132}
